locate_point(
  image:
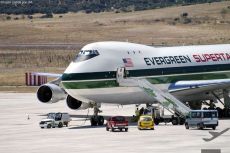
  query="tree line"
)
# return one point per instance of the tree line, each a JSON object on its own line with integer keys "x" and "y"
{"x": 30, "y": 7}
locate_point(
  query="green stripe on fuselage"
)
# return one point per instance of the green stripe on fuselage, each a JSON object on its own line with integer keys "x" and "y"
{"x": 90, "y": 84}
{"x": 84, "y": 84}
{"x": 148, "y": 72}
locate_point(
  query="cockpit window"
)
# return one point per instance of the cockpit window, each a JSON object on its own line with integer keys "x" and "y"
{"x": 85, "y": 55}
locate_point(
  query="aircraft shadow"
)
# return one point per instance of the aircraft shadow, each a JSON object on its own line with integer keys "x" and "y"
{"x": 205, "y": 129}
{"x": 89, "y": 116}
{"x": 86, "y": 127}
{"x": 94, "y": 127}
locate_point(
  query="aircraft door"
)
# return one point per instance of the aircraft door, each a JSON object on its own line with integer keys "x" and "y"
{"x": 120, "y": 74}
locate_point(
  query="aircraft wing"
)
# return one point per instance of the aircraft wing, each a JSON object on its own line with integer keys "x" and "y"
{"x": 186, "y": 88}
{"x": 57, "y": 77}
{"x": 53, "y": 75}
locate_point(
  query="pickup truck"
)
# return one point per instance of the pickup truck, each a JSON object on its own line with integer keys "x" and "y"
{"x": 117, "y": 123}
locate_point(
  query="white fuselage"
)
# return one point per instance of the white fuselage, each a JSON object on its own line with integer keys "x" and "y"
{"x": 92, "y": 76}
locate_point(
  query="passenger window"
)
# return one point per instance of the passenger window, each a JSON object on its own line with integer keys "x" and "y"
{"x": 198, "y": 115}
{"x": 214, "y": 114}
{"x": 207, "y": 114}
{"x": 193, "y": 115}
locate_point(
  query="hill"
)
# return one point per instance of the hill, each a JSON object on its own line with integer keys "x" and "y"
{"x": 64, "y": 6}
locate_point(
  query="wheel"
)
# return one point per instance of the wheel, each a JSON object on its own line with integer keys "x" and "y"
{"x": 100, "y": 120}
{"x": 126, "y": 129}
{"x": 182, "y": 121}
{"x": 174, "y": 121}
{"x": 48, "y": 126}
{"x": 156, "y": 121}
{"x": 42, "y": 127}
{"x": 214, "y": 127}
{"x": 93, "y": 121}
{"x": 220, "y": 112}
{"x": 60, "y": 125}
{"x": 112, "y": 129}
{"x": 186, "y": 126}
{"x": 200, "y": 126}
{"x": 152, "y": 128}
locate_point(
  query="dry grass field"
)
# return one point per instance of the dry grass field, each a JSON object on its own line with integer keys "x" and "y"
{"x": 207, "y": 24}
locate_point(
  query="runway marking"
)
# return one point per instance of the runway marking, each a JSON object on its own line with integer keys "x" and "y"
{"x": 215, "y": 135}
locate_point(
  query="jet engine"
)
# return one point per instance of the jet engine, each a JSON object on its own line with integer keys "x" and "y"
{"x": 75, "y": 104}
{"x": 50, "y": 93}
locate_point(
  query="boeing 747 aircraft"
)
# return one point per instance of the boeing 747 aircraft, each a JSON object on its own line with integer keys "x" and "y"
{"x": 128, "y": 73}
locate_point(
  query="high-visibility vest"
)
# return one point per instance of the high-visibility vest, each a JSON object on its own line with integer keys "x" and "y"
{"x": 137, "y": 112}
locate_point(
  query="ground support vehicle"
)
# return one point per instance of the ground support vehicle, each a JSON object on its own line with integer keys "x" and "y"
{"x": 157, "y": 113}
{"x": 145, "y": 122}
{"x": 47, "y": 123}
{"x": 55, "y": 120}
{"x": 202, "y": 119}
{"x": 117, "y": 123}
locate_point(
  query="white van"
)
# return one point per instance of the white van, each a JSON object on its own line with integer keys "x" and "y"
{"x": 55, "y": 120}
{"x": 202, "y": 119}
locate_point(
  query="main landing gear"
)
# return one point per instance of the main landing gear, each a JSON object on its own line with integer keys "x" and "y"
{"x": 225, "y": 111}
{"x": 96, "y": 120}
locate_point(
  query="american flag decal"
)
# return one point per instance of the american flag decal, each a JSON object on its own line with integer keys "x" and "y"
{"x": 128, "y": 62}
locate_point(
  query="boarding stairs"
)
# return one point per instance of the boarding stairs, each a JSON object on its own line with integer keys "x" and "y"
{"x": 168, "y": 101}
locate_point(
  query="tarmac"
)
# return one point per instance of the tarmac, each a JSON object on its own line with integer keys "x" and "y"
{"x": 23, "y": 135}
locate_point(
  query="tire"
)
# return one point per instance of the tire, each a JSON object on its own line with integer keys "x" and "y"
{"x": 60, "y": 125}
{"x": 48, "y": 126}
{"x": 93, "y": 121}
{"x": 152, "y": 128}
{"x": 220, "y": 112}
{"x": 126, "y": 130}
{"x": 200, "y": 126}
{"x": 174, "y": 121}
{"x": 156, "y": 122}
{"x": 214, "y": 127}
{"x": 42, "y": 127}
{"x": 182, "y": 121}
{"x": 112, "y": 129}
{"x": 100, "y": 120}
{"x": 186, "y": 126}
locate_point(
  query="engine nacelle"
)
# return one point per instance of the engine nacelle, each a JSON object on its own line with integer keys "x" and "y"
{"x": 50, "y": 93}
{"x": 75, "y": 104}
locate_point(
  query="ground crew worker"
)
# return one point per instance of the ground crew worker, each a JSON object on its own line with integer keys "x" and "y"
{"x": 137, "y": 112}
{"x": 141, "y": 111}
{"x": 28, "y": 116}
